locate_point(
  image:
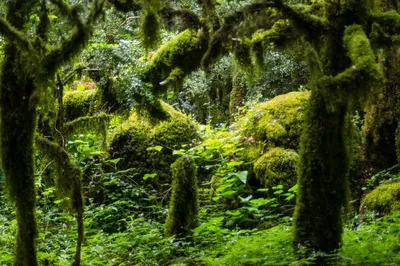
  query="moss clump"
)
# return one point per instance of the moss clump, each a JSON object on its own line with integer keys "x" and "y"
{"x": 137, "y": 134}
{"x": 184, "y": 204}
{"x": 277, "y": 166}
{"x": 80, "y": 103}
{"x": 277, "y": 122}
{"x": 383, "y": 199}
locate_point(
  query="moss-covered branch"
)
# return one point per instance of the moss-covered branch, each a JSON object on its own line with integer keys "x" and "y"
{"x": 14, "y": 35}
{"x": 216, "y": 47}
{"x": 84, "y": 29}
{"x": 301, "y": 19}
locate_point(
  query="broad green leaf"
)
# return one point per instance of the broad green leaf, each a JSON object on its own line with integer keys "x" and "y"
{"x": 114, "y": 161}
{"x": 147, "y": 176}
{"x": 244, "y": 200}
{"x": 294, "y": 188}
{"x": 154, "y": 148}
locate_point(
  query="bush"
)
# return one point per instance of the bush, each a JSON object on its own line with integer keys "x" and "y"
{"x": 277, "y": 166}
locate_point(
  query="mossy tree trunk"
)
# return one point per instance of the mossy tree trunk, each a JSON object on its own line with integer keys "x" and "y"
{"x": 18, "y": 121}
{"x": 322, "y": 172}
{"x": 30, "y": 62}
{"x": 184, "y": 204}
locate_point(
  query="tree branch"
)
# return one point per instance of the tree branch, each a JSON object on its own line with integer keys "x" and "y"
{"x": 301, "y": 19}
{"x": 66, "y": 50}
{"x": 15, "y": 36}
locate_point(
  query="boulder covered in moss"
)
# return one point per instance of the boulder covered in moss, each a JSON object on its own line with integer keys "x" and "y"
{"x": 277, "y": 167}
{"x": 277, "y": 122}
{"x": 147, "y": 148}
{"x": 384, "y": 199}
{"x": 80, "y": 103}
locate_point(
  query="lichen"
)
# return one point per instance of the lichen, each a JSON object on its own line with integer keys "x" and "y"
{"x": 277, "y": 167}
{"x": 384, "y": 199}
{"x": 184, "y": 203}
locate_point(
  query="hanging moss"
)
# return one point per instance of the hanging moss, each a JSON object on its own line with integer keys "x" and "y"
{"x": 150, "y": 29}
{"x": 277, "y": 167}
{"x": 184, "y": 204}
{"x": 80, "y": 103}
{"x": 383, "y": 199}
{"x": 381, "y": 119}
{"x": 137, "y": 134}
{"x": 238, "y": 93}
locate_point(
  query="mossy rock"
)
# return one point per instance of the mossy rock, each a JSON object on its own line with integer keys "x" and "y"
{"x": 132, "y": 141}
{"x": 384, "y": 199}
{"x": 80, "y": 103}
{"x": 277, "y": 167}
{"x": 277, "y": 122}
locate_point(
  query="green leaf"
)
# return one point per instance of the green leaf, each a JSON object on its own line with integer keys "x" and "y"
{"x": 147, "y": 176}
{"x": 178, "y": 152}
{"x": 242, "y": 176}
{"x": 294, "y": 188}
{"x": 244, "y": 200}
{"x": 278, "y": 187}
{"x": 114, "y": 161}
{"x": 234, "y": 163}
{"x": 154, "y": 148}
{"x": 263, "y": 189}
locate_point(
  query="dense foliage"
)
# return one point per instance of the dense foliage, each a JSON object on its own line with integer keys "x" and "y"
{"x": 208, "y": 132}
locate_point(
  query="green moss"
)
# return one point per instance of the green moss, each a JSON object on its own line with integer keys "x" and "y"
{"x": 80, "y": 103}
{"x": 277, "y": 122}
{"x": 184, "y": 204}
{"x": 180, "y": 55}
{"x": 137, "y": 134}
{"x": 277, "y": 166}
{"x": 383, "y": 199}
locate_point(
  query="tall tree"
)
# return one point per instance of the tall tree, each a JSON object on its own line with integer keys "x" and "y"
{"x": 32, "y": 54}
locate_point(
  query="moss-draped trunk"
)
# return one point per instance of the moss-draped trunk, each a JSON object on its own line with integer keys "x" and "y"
{"x": 18, "y": 120}
{"x": 322, "y": 172}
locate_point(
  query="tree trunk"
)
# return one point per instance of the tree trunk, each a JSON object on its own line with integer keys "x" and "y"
{"x": 18, "y": 121}
{"x": 322, "y": 173}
